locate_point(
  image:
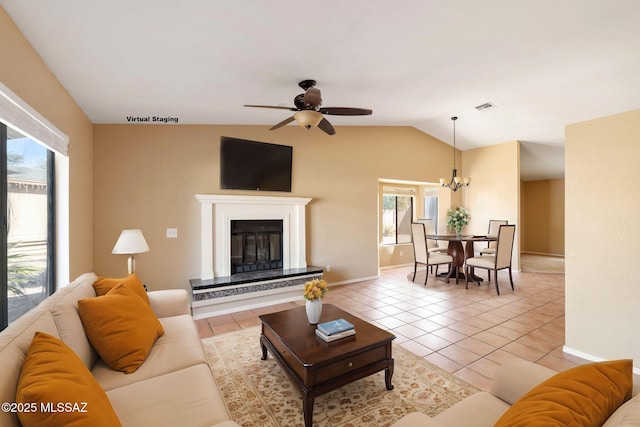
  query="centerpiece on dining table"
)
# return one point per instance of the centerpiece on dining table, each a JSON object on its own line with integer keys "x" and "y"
{"x": 457, "y": 219}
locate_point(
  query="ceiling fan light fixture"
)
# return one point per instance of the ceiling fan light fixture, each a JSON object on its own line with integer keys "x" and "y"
{"x": 308, "y": 118}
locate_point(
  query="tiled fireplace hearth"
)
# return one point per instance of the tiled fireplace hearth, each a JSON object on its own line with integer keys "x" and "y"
{"x": 218, "y": 290}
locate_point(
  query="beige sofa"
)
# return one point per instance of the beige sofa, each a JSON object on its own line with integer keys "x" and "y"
{"x": 173, "y": 387}
{"x": 512, "y": 380}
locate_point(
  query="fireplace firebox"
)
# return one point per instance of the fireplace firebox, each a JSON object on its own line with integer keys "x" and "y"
{"x": 256, "y": 245}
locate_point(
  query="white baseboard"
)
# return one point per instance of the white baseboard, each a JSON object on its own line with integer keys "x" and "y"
{"x": 541, "y": 253}
{"x": 346, "y": 282}
{"x": 389, "y": 267}
{"x": 590, "y": 357}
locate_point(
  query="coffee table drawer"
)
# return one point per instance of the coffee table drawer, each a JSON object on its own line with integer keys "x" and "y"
{"x": 349, "y": 364}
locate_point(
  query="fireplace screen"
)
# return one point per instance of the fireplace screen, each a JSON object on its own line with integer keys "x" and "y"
{"x": 256, "y": 245}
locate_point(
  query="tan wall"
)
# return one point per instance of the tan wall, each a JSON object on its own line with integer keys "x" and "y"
{"x": 146, "y": 176}
{"x": 543, "y": 205}
{"x": 494, "y": 192}
{"x": 602, "y": 205}
{"x": 24, "y": 72}
{"x": 523, "y": 216}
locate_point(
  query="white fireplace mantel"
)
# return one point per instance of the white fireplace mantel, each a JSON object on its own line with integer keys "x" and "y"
{"x": 217, "y": 212}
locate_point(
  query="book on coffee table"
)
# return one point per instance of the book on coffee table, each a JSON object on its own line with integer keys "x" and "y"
{"x": 337, "y": 336}
{"x": 335, "y": 327}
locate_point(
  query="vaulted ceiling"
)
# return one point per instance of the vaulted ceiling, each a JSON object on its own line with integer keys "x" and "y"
{"x": 542, "y": 64}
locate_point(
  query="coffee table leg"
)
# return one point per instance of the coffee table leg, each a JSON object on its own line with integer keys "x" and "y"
{"x": 264, "y": 349}
{"x": 388, "y": 373}
{"x": 307, "y": 409}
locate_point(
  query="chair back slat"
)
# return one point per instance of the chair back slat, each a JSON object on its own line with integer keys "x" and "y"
{"x": 494, "y": 226}
{"x": 429, "y": 229}
{"x": 419, "y": 242}
{"x": 506, "y": 235}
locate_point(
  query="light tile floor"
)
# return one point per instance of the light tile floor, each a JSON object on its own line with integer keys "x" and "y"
{"x": 467, "y": 332}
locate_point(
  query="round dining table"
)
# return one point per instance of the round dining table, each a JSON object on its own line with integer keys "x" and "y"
{"x": 459, "y": 253}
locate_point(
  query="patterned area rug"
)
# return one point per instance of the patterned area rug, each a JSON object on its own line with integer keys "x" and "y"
{"x": 258, "y": 393}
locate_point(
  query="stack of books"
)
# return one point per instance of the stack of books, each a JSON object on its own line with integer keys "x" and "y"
{"x": 335, "y": 330}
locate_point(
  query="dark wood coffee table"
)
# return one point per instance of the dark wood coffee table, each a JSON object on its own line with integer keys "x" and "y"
{"x": 317, "y": 367}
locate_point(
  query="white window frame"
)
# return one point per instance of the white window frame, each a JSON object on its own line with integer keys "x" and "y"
{"x": 18, "y": 115}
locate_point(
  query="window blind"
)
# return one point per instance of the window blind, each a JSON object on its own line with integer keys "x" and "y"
{"x": 18, "y": 115}
{"x": 402, "y": 191}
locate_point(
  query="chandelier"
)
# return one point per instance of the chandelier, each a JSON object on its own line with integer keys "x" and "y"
{"x": 455, "y": 182}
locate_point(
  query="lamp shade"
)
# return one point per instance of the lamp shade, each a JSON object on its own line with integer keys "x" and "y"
{"x": 308, "y": 118}
{"x": 130, "y": 242}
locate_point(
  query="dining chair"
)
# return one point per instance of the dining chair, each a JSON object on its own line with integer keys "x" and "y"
{"x": 499, "y": 261}
{"x": 494, "y": 225}
{"x": 423, "y": 256}
{"x": 432, "y": 245}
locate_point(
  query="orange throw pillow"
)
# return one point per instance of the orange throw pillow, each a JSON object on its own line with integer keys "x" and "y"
{"x": 121, "y": 327}
{"x": 586, "y": 395}
{"x": 58, "y": 389}
{"x": 104, "y": 284}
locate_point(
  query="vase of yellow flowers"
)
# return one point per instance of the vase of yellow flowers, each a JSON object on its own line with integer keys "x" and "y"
{"x": 314, "y": 292}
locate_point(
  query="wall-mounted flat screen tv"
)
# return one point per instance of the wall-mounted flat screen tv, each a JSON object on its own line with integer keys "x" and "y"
{"x": 253, "y": 165}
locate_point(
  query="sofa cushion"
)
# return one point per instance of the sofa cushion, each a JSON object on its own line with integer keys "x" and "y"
{"x": 121, "y": 327}
{"x": 516, "y": 376}
{"x": 52, "y": 374}
{"x": 178, "y": 348}
{"x": 417, "y": 419}
{"x": 479, "y": 409}
{"x": 170, "y": 302}
{"x": 63, "y": 304}
{"x": 104, "y": 284}
{"x": 586, "y": 395}
{"x": 626, "y": 415}
{"x": 153, "y": 402}
{"x": 14, "y": 344}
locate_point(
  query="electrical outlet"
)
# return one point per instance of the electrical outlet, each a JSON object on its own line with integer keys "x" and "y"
{"x": 401, "y": 253}
{"x": 328, "y": 269}
{"x": 172, "y": 233}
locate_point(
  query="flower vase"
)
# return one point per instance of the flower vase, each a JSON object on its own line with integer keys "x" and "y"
{"x": 314, "y": 309}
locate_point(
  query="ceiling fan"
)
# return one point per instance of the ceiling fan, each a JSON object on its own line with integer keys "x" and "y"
{"x": 308, "y": 111}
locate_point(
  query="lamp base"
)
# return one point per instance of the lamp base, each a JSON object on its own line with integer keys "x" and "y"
{"x": 131, "y": 264}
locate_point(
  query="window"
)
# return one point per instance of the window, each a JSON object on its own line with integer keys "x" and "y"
{"x": 26, "y": 224}
{"x": 431, "y": 207}
{"x": 397, "y": 216}
{"x": 29, "y": 211}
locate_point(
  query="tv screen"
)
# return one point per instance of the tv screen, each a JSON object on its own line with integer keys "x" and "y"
{"x": 252, "y": 165}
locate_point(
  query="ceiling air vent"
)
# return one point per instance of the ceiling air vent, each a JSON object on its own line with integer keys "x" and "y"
{"x": 486, "y": 106}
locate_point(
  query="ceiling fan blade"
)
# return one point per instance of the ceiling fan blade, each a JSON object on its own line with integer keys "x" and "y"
{"x": 272, "y": 106}
{"x": 346, "y": 111}
{"x": 283, "y": 123}
{"x": 326, "y": 127}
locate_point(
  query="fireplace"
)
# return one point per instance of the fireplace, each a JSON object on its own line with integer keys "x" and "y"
{"x": 256, "y": 245}
{"x": 274, "y": 230}
{"x": 219, "y": 211}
